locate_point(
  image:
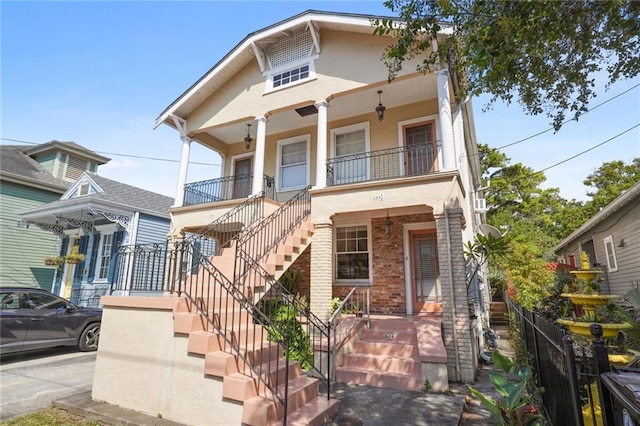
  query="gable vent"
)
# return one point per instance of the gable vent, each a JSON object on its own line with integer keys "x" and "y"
{"x": 290, "y": 50}
{"x": 308, "y": 110}
{"x": 75, "y": 168}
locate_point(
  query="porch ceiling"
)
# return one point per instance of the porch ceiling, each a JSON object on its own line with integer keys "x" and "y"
{"x": 364, "y": 100}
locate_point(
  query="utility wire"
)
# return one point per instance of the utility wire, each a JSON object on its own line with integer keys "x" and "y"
{"x": 121, "y": 155}
{"x": 566, "y": 121}
{"x": 587, "y": 150}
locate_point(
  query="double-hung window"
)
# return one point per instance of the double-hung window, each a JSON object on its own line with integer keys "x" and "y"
{"x": 350, "y": 145}
{"x": 612, "y": 263}
{"x": 104, "y": 256}
{"x": 293, "y": 163}
{"x": 352, "y": 253}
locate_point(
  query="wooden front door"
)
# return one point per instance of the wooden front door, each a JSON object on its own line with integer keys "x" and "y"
{"x": 242, "y": 181}
{"x": 420, "y": 153}
{"x": 424, "y": 268}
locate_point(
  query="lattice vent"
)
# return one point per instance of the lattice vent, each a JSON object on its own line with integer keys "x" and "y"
{"x": 290, "y": 49}
{"x": 75, "y": 168}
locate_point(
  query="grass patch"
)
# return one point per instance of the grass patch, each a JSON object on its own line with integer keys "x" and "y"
{"x": 50, "y": 417}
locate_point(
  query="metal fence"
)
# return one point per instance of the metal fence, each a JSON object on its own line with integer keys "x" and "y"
{"x": 225, "y": 188}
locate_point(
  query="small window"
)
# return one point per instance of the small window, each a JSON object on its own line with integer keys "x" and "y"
{"x": 609, "y": 249}
{"x": 290, "y": 76}
{"x": 352, "y": 253}
{"x": 350, "y": 144}
{"x": 293, "y": 161}
{"x": 83, "y": 190}
{"x": 294, "y": 74}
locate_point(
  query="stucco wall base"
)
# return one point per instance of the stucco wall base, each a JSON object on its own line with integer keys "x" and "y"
{"x": 143, "y": 366}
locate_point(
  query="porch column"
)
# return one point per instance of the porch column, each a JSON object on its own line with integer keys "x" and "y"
{"x": 182, "y": 173}
{"x": 321, "y": 148}
{"x": 446, "y": 121}
{"x": 321, "y": 269}
{"x": 258, "y": 167}
{"x": 458, "y": 341}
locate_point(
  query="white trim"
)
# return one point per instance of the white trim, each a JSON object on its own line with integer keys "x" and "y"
{"x": 107, "y": 229}
{"x": 365, "y": 125}
{"x": 401, "y": 124}
{"x": 279, "y": 181}
{"x": 609, "y": 239}
{"x": 355, "y": 282}
{"x": 418, "y": 226}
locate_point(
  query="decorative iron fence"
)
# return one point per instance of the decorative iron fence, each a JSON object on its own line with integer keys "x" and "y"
{"x": 389, "y": 163}
{"x": 225, "y": 188}
{"x": 139, "y": 268}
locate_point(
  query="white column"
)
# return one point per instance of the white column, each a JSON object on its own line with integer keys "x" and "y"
{"x": 321, "y": 148}
{"x": 182, "y": 173}
{"x": 446, "y": 123}
{"x": 258, "y": 161}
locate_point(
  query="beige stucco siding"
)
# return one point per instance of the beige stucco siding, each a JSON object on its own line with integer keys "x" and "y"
{"x": 339, "y": 69}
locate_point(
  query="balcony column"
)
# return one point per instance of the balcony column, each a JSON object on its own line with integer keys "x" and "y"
{"x": 182, "y": 173}
{"x": 258, "y": 162}
{"x": 446, "y": 121}
{"x": 321, "y": 148}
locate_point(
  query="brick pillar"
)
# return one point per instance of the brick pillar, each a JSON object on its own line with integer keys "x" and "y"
{"x": 321, "y": 269}
{"x": 453, "y": 287}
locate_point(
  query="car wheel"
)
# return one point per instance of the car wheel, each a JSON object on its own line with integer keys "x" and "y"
{"x": 89, "y": 338}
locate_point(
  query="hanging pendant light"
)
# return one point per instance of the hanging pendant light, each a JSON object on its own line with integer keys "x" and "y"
{"x": 248, "y": 139}
{"x": 388, "y": 225}
{"x": 380, "y": 108}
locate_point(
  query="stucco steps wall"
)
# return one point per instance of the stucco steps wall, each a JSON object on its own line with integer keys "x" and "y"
{"x": 386, "y": 355}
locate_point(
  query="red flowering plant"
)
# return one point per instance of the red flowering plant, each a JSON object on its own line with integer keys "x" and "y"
{"x": 515, "y": 406}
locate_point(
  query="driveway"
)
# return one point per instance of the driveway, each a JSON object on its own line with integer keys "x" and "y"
{"x": 32, "y": 381}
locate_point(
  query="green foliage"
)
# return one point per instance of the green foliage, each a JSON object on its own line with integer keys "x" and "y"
{"x": 542, "y": 54}
{"x": 630, "y": 304}
{"x": 515, "y": 406}
{"x": 290, "y": 280}
{"x": 528, "y": 274}
{"x": 335, "y": 304}
{"x": 609, "y": 181}
{"x": 287, "y": 330}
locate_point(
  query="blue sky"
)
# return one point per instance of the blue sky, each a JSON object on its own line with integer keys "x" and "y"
{"x": 99, "y": 73}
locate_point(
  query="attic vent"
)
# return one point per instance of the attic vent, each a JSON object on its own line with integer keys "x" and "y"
{"x": 75, "y": 168}
{"x": 308, "y": 110}
{"x": 290, "y": 49}
{"x": 480, "y": 204}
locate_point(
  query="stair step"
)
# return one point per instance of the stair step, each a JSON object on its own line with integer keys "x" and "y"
{"x": 314, "y": 413}
{"x": 382, "y": 363}
{"x": 391, "y": 336}
{"x": 241, "y": 386}
{"x": 265, "y": 409}
{"x": 392, "y": 325}
{"x": 379, "y": 379}
{"x": 385, "y": 348}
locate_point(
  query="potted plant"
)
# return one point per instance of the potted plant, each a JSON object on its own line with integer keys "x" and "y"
{"x": 74, "y": 258}
{"x": 54, "y": 261}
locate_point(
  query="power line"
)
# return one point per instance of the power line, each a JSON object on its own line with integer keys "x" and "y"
{"x": 566, "y": 121}
{"x": 122, "y": 155}
{"x": 587, "y": 150}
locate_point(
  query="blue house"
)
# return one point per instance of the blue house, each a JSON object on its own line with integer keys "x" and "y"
{"x": 92, "y": 219}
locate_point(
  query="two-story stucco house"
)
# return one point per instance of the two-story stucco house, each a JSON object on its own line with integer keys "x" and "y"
{"x": 359, "y": 183}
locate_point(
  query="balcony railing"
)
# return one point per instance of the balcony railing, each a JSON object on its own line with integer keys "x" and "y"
{"x": 225, "y": 188}
{"x": 384, "y": 164}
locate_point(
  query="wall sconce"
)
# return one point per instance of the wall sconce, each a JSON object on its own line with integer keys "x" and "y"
{"x": 380, "y": 108}
{"x": 248, "y": 139}
{"x": 621, "y": 244}
{"x": 388, "y": 225}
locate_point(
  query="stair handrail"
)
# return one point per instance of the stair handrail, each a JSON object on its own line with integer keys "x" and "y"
{"x": 263, "y": 236}
{"x": 314, "y": 323}
{"x": 252, "y": 208}
{"x": 199, "y": 294}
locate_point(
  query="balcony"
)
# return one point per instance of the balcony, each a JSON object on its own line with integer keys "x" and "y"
{"x": 225, "y": 188}
{"x": 391, "y": 163}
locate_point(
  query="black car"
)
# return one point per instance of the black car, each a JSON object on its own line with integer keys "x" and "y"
{"x": 32, "y": 318}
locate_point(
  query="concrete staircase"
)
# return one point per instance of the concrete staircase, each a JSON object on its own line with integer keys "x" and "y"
{"x": 397, "y": 353}
{"x": 240, "y": 381}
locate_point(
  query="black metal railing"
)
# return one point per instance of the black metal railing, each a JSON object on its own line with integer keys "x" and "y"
{"x": 388, "y": 163}
{"x": 88, "y": 297}
{"x": 228, "y": 226}
{"x": 139, "y": 268}
{"x": 225, "y": 188}
{"x": 259, "y": 240}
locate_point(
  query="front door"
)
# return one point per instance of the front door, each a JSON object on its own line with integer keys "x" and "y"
{"x": 68, "y": 283}
{"x": 424, "y": 268}
{"x": 242, "y": 177}
{"x": 420, "y": 154}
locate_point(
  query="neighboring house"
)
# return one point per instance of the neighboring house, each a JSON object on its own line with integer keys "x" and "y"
{"x": 93, "y": 218}
{"x": 611, "y": 239}
{"x": 29, "y": 177}
{"x": 359, "y": 183}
